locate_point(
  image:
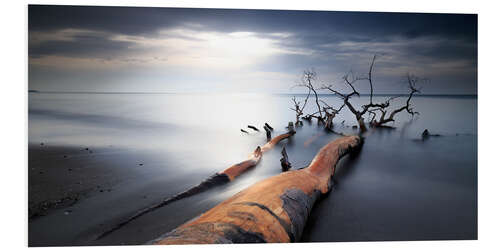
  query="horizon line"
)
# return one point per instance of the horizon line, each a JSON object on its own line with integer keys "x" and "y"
{"x": 165, "y": 92}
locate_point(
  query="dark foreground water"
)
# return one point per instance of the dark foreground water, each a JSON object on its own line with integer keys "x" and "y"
{"x": 120, "y": 152}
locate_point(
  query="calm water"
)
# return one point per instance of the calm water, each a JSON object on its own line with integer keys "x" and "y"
{"x": 398, "y": 188}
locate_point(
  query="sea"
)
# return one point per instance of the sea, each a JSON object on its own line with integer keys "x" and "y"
{"x": 398, "y": 188}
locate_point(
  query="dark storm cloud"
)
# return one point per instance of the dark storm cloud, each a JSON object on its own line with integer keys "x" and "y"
{"x": 140, "y": 21}
{"x": 82, "y": 46}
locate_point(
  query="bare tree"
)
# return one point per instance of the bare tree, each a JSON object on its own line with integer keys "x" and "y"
{"x": 412, "y": 85}
{"x": 308, "y": 79}
{"x": 299, "y": 111}
{"x": 324, "y": 114}
{"x": 372, "y": 108}
{"x": 330, "y": 113}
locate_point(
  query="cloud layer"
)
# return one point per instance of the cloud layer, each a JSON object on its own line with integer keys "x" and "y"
{"x": 171, "y": 49}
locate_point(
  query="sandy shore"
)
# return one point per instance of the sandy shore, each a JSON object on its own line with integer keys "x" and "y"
{"x": 61, "y": 176}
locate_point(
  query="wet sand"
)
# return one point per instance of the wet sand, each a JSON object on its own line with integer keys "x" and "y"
{"x": 68, "y": 182}
{"x": 61, "y": 176}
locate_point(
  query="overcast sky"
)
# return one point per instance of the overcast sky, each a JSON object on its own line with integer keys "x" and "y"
{"x": 259, "y": 51}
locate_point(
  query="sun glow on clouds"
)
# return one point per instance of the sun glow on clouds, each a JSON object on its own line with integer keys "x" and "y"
{"x": 206, "y": 49}
{"x": 175, "y": 47}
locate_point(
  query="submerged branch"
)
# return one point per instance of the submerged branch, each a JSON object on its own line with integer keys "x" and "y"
{"x": 285, "y": 164}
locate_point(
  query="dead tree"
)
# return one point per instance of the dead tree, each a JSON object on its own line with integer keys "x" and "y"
{"x": 324, "y": 114}
{"x": 371, "y": 108}
{"x": 272, "y": 210}
{"x": 383, "y": 119}
{"x": 308, "y": 79}
{"x": 330, "y": 113}
{"x": 299, "y": 111}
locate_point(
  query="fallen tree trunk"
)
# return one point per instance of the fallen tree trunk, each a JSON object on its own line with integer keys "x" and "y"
{"x": 225, "y": 176}
{"x": 272, "y": 210}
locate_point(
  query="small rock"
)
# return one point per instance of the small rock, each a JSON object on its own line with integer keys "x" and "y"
{"x": 69, "y": 169}
{"x": 140, "y": 164}
{"x": 65, "y": 156}
{"x": 67, "y": 212}
{"x": 41, "y": 172}
{"x": 41, "y": 144}
{"x": 86, "y": 148}
{"x": 101, "y": 190}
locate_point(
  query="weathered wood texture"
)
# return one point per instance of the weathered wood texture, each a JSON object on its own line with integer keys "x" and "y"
{"x": 272, "y": 210}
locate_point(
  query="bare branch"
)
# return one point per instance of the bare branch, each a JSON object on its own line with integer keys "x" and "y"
{"x": 412, "y": 85}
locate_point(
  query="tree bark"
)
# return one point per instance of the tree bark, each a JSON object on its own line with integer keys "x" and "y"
{"x": 273, "y": 210}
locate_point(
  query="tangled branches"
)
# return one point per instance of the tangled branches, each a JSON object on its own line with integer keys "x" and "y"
{"x": 378, "y": 113}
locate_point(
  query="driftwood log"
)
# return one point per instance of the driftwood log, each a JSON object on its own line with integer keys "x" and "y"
{"x": 217, "y": 179}
{"x": 273, "y": 210}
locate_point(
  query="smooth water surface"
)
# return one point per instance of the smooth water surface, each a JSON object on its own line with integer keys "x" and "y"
{"x": 397, "y": 188}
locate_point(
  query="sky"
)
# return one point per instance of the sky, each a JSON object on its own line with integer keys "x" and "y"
{"x": 130, "y": 49}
